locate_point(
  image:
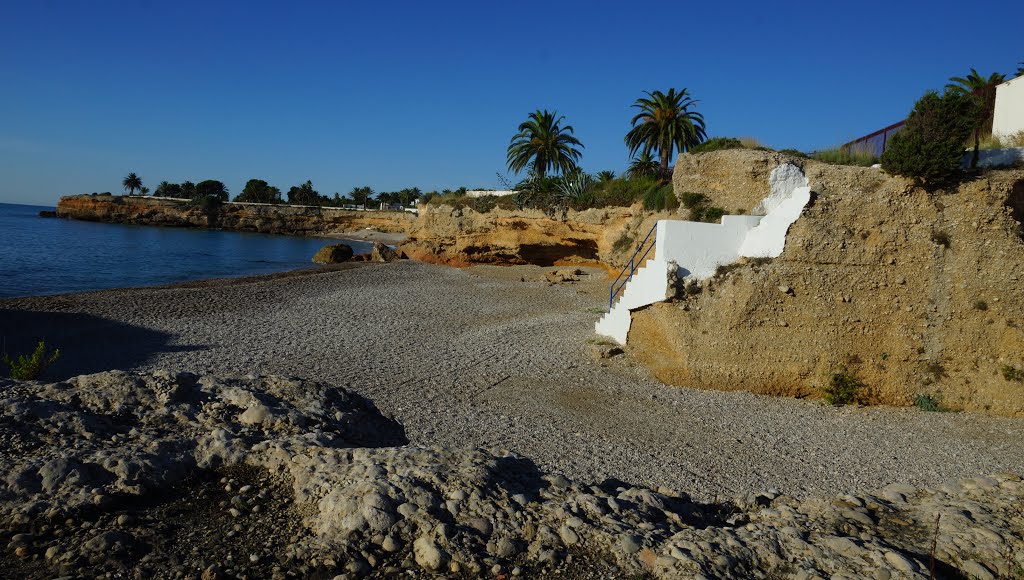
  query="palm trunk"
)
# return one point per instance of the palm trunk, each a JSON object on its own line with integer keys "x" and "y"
{"x": 663, "y": 172}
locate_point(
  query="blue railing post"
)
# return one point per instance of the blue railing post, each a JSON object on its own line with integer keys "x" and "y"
{"x": 615, "y": 287}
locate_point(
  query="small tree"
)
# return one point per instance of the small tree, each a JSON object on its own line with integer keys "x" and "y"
{"x": 212, "y": 188}
{"x": 361, "y": 194}
{"x": 643, "y": 165}
{"x": 166, "y": 189}
{"x": 983, "y": 90}
{"x": 188, "y": 190}
{"x": 304, "y": 194}
{"x": 131, "y": 183}
{"x": 930, "y": 146}
{"x": 259, "y": 191}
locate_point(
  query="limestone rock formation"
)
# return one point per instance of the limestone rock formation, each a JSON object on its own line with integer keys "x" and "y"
{"x": 382, "y": 253}
{"x": 166, "y": 474}
{"x": 917, "y": 294}
{"x": 333, "y": 254}
{"x": 462, "y": 236}
{"x": 244, "y": 217}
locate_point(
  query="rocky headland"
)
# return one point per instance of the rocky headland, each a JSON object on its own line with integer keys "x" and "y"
{"x": 243, "y": 217}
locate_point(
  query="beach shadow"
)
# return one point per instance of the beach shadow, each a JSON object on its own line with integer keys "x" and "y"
{"x": 88, "y": 344}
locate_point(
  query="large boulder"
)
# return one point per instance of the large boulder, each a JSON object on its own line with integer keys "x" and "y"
{"x": 333, "y": 254}
{"x": 382, "y": 253}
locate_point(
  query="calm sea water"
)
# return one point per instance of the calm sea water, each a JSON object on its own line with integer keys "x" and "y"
{"x": 54, "y": 256}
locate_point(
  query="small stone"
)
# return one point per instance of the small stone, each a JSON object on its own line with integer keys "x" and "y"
{"x": 629, "y": 544}
{"x": 505, "y": 548}
{"x": 428, "y": 554}
{"x": 21, "y": 551}
{"x": 390, "y": 544}
{"x": 899, "y": 562}
{"x": 125, "y": 520}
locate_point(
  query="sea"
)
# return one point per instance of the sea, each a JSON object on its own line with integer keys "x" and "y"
{"x": 43, "y": 256}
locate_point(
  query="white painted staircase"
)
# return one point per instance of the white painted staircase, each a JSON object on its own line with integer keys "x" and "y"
{"x": 648, "y": 284}
{"x": 695, "y": 250}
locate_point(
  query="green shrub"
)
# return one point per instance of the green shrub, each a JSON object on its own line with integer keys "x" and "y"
{"x": 930, "y": 146}
{"x": 1012, "y": 374}
{"x": 207, "y": 203}
{"x": 31, "y": 367}
{"x": 691, "y": 200}
{"x": 660, "y": 199}
{"x": 624, "y": 243}
{"x": 930, "y": 403}
{"x": 710, "y": 214}
{"x": 941, "y": 238}
{"x": 794, "y": 153}
{"x": 717, "y": 144}
{"x": 842, "y": 389}
{"x": 845, "y": 156}
{"x": 700, "y": 211}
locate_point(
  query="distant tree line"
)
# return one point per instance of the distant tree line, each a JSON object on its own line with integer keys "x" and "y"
{"x": 259, "y": 191}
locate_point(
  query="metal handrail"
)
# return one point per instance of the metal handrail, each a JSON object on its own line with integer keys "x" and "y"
{"x": 614, "y": 291}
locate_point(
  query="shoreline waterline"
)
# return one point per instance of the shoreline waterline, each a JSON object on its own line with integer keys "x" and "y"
{"x": 48, "y": 257}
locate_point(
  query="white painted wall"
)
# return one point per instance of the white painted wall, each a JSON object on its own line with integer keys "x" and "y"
{"x": 700, "y": 248}
{"x": 1009, "y": 112}
{"x": 995, "y": 158}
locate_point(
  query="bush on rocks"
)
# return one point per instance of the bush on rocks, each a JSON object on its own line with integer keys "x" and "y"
{"x": 931, "y": 145}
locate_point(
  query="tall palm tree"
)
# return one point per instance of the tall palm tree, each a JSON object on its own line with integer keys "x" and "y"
{"x": 543, "y": 142}
{"x": 131, "y": 183}
{"x": 642, "y": 166}
{"x": 984, "y": 90}
{"x": 665, "y": 121}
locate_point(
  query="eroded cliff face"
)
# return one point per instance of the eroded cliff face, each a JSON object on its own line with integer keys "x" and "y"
{"x": 914, "y": 293}
{"x": 459, "y": 236}
{"x": 269, "y": 219}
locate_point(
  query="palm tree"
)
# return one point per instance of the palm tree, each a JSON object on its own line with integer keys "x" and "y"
{"x": 665, "y": 121}
{"x": 131, "y": 183}
{"x": 543, "y": 142}
{"x": 984, "y": 90}
{"x": 642, "y": 166}
{"x": 605, "y": 176}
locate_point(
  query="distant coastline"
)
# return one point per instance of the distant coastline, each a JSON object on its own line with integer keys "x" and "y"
{"x": 382, "y": 226}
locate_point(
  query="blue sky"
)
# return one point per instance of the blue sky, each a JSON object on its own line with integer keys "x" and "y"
{"x": 428, "y": 94}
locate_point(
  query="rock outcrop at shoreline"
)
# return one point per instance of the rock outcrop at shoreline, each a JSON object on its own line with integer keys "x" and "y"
{"x": 168, "y": 474}
{"x": 915, "y": 293}
{"x": 462, "y": 236}
{"x": 243, "y": 217}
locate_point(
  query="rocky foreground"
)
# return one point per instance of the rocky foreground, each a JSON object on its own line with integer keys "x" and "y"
{"x": 177, "y": 475}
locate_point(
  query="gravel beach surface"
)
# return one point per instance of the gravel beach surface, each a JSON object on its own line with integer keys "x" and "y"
{"x": 498, "y": 357}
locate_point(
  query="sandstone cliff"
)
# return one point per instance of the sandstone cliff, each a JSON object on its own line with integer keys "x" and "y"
{"x": 459, "y": 236}
{"x": 915, "y": 293}
{"x": 269, "y": 219}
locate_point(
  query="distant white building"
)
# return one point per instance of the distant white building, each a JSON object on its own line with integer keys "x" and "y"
{"x": 1008, "y": 117}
